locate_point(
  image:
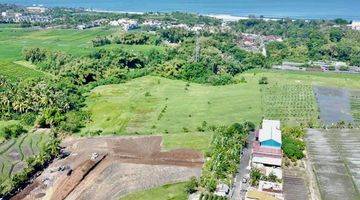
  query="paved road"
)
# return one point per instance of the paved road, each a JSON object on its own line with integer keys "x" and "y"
{"x": 238, "y": 190}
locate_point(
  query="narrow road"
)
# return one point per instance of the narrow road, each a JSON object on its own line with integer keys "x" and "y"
{"x": 239, "y": 188}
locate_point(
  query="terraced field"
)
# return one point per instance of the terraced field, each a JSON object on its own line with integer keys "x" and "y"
{"x": 14, "y": 152}
{"x": 289, "y": 103}
{"x": 335, "y": 158}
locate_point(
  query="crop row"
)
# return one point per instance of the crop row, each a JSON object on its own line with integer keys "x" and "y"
{"x": 294, "y": 103}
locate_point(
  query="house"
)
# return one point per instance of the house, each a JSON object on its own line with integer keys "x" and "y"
{"x": 126, "y": 24}
{"x": 267, "y": 145}
{"x": 355, "y": 25}
{"x": 270, "y": 134}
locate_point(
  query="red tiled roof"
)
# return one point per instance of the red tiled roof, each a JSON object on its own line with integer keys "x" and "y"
{"x": 265, "y": 151}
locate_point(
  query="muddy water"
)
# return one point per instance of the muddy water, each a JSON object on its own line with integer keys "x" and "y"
{"x": 334, "y": 104}
{"x": 335, "y": 158}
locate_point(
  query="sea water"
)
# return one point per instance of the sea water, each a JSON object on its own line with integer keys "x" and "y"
{"x": 304, "y": 9}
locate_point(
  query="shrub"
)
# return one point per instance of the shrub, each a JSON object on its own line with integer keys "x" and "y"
{"x": 255, "y": 176}
{"x": 191, "y": 186}
{"x": 344, "y": 68}
{"x": 249, "y": 126}
{"x": 13, "y": 131}
{"x": 28, "y": 119}
{"x": 263, "y": 81}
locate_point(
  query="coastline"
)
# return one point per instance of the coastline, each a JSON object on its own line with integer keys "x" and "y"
{"x": 223, "y": 16}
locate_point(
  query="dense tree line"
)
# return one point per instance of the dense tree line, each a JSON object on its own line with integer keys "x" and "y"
{"x": 306, "y": 40}
{"x": 224, "y": 155}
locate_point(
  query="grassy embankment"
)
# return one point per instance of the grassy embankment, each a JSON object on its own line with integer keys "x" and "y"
{"x": 166, "y": 192}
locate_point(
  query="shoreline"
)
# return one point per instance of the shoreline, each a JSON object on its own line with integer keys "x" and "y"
{"x": 222, "y": 16}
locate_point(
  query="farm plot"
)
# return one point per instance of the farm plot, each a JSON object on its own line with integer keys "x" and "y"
{"x": 289, "y": 103}
{"x": 14, "y": 152}
{"x": 334, "y": 104}
{"x": 355, "y": 106}
{"x": 335, "y": 158}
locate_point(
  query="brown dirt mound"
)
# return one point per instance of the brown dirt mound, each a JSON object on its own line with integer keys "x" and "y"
{"x": 131, "y": 164}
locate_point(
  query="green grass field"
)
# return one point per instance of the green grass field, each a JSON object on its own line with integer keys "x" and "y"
{"x": 340, "y": 80}
{"x": 15, "y": 72}
{"x": 166, "y": 192}
{"x": 76, "y": 42}
{"x": 154, "y": 105}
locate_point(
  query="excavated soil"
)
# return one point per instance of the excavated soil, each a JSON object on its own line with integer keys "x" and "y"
{"x": 124, "y": 165}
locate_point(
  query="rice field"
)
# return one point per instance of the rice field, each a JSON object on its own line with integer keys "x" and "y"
{"x": 290, "y": 103}
{"x": 355, "y": 106}
{"x": 334, "y": 105}
{"x": 14, "y": 152}
{"x": 335, "y": 158}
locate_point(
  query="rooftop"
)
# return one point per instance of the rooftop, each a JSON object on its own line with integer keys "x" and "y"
{"x": 270, "y": 131}
{"x": 266, "y": 151}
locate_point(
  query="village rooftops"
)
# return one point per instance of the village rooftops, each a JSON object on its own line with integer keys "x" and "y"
{"x": 270, "y": 134}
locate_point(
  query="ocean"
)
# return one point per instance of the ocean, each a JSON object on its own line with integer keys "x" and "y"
{"x": 300, "y": 9}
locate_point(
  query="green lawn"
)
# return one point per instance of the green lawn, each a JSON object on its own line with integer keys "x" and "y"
{"x": 166, "y": 192}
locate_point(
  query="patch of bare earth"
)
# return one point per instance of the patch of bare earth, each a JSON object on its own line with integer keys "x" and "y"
{"x": 124, "y": 165}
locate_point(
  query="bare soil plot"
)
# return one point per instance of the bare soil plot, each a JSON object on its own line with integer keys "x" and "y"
{"x": 334, "y": 105}
{"x": 294, "y": 186}
{"x": 335, "y": 158}
{"x": 131, "y": 164}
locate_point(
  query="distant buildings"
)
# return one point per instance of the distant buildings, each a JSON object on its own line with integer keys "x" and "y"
{"x": 126, "y": 24}
{"x": 35, "y": 15}
{"x": 36, "y": 9}
{"x": 152, "y": 23}
{"x": 93, "y": 24}
{"x": 355, "y": 25}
